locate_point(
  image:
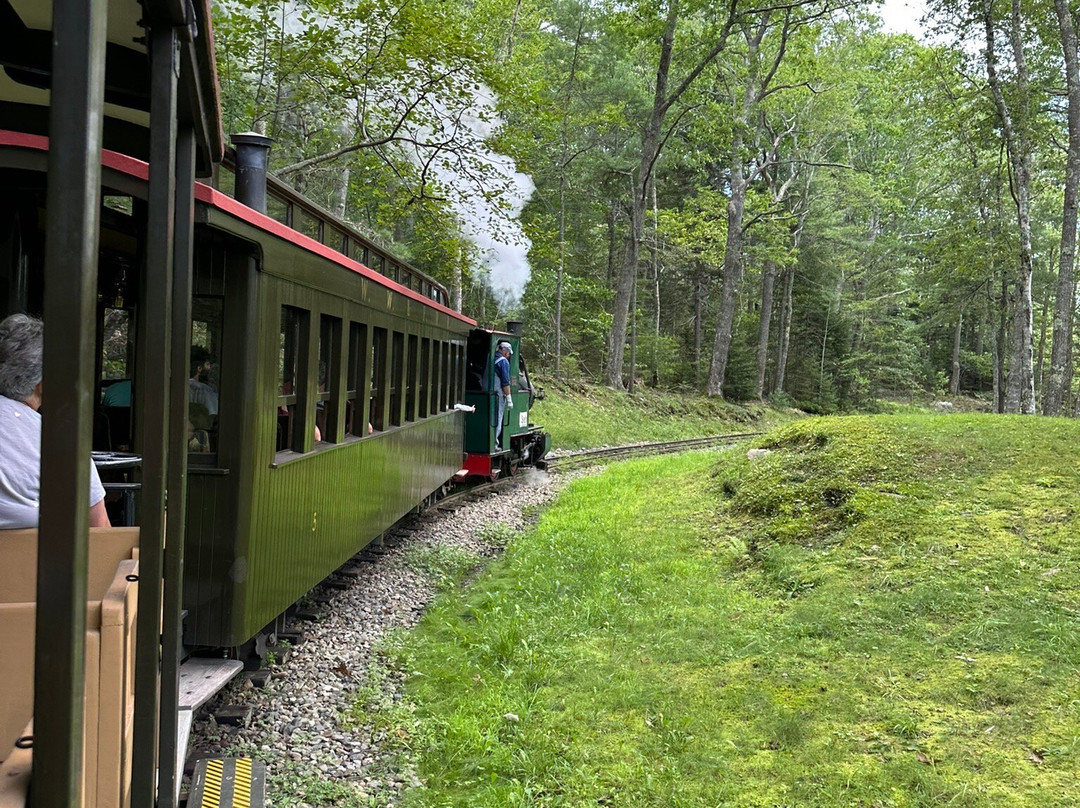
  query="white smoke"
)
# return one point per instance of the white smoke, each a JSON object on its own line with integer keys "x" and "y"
{"x": 489, "y": 196}
{"x": 485, "y": 189}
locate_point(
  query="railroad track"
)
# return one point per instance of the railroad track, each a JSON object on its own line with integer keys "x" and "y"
{"x": 586, "y": 456}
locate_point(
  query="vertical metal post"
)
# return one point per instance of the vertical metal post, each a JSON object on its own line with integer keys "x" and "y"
{"x": 177, "y": 476}
{"x": 78, "y": 81}
{"x": 153, "y": 376}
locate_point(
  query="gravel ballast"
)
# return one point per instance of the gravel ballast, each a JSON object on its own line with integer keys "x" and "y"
{"x": 302, "y": 725}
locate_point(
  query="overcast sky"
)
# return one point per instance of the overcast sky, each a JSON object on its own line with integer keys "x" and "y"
{"x": 902, "y": 16}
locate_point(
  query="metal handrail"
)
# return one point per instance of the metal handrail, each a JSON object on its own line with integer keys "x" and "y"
{"x": 350, "y": 241}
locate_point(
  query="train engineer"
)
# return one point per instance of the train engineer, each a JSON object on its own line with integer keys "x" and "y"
{"x": 21, "y": 345}
{"x": 502, "y": 371}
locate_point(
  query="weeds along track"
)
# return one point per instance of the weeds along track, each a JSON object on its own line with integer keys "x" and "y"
{"x": 561, "y": 462}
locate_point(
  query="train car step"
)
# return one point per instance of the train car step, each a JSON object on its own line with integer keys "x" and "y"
{"x": 228, "y": 783}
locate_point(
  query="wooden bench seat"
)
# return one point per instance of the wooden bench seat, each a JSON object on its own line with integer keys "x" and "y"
{"x": 112, "y": 593}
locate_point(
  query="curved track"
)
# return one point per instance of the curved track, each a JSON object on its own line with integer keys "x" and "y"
{"x": 586, "y": 456}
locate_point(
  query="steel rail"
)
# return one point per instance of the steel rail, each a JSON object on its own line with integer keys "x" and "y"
{"x": 584, "y": 456}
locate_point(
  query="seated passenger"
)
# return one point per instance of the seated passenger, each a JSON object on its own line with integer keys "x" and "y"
{"x": 117, "y": 394}
{"x": 20, "y": 423}
{"x": 202, "y": 396}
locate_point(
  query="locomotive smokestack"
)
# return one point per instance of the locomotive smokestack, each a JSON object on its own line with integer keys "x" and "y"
{"x": 252, "y": 158}
{"x": 515, "y": 327}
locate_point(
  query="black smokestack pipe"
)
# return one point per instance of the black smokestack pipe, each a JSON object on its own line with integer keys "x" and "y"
{"x": 515, "y": 327}
{"x": 252, "y": 158}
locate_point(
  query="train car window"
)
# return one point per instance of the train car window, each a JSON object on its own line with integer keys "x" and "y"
{"x": 357, "y": 376}
{"x": 456, "y": 393}
{"x": 205, "y": 374}
{"x": 327, "y": 397}
{"x": 336, "y": 239}
{"x": 378, "y": 379}
{"x": 478, "y": 362}
{"x": 397, "y": 369}
{"x": 306, "y": 223}
{"x": 425, "y": 378}
{"x": 411, "y": 386}
{"x": 292, "y": 345}
{"x": 448, "y": 376}
{"x": 121, "y": 204}
{"x": 112, "y": 416}
{"x": 277, "y": 209}
{"x": 225, "y": 181}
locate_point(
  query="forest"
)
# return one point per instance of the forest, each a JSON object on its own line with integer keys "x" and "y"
{"x": 756, "y": 200}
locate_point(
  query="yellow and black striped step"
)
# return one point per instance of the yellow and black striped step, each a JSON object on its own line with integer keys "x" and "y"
{"x": 228, "y": 783}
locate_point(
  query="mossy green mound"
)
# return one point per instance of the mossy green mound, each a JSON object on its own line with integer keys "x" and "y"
{"x": 583, "y": 416}
{"x": 878, "y": 612}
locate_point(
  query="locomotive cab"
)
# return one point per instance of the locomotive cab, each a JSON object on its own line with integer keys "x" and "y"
{"x": 521, "y": 442}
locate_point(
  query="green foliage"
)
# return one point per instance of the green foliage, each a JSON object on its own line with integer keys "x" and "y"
{"x": 878, "y": 612}
{"x": 581, "y": 416}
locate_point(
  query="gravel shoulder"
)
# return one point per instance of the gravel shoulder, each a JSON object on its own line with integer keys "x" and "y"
{"x": 303, "y": 725}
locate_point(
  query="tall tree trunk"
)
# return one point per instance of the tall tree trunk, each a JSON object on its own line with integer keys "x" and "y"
{"x": 650, "y": 150}
{"x": 613, "y": 240}
{"x": 459, "y": 277}
{"x": 783, "y": 343}
{"x": 564, "y": 162}
{"x": 651, "y": 142}
{"x": 733, "y": 265}
{"x": 1020, "y": 385}
{"x": 954, "y": 381}
{"x": 999, "y": 345}
{"x": 1040, "y": 351}
{"x": 1060, "y": 380}
{"x": 559, "y": 275}
{"x": 699, "y": 302}
{"x": 768, "y": 279}
{"x": 631, "y": 383}
{"x": 656, "y": 290}
{"x": 341, "y": 192}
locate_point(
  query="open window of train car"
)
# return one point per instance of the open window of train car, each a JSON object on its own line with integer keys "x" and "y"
{"x": 378, "y": 379}
{"x": 436, "y": 376}
{"x": 291, "y": 407}
{"x": 327, "y": 413}
{"x": 358, "y": 380}
{"x": 411, "y": 381}
{"x": 397, "y": 370}
{"x": 425, "y": 378}
{"x": 446, "y": 393}
{"x": 204, "y": 382}
{"x": 478, "y": 362}
{"x": 457, "y": 372}
{"x": 112, "y": 414}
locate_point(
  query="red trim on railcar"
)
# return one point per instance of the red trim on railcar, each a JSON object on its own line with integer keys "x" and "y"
{"x": 206, "y": 194}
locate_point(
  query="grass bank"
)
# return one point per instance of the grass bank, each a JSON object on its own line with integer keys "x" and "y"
{"x": 580, "y": 416}
{"x": 879, "y": 612}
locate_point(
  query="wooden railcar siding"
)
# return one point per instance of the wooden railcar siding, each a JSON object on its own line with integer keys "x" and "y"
{"x": 270, "y": 525}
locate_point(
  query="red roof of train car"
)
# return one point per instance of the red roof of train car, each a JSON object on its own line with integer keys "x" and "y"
{"x": 207, "y": 195}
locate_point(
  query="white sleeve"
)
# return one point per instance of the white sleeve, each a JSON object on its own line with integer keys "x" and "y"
{"x": 97, "y": 490}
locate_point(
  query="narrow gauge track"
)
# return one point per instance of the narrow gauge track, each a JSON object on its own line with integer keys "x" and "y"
{"x": 586, "y": 456}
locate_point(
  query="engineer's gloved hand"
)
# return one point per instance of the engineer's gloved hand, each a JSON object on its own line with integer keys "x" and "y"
{"x": 509, "y": 402}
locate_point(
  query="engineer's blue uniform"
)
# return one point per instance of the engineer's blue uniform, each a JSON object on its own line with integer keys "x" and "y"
{"x": 502, "y": 371}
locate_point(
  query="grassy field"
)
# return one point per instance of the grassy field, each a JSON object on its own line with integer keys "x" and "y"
{"x": 584, "y": 416}
{"x": 880, "y": 612}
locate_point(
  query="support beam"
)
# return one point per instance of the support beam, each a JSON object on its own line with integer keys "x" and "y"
{"x": 153, "y": 394}
{"x": 168, "y": 753}
{"x": 71, "y": 240}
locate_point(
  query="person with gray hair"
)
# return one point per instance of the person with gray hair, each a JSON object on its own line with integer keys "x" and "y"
{"x": 21, "y": 364}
